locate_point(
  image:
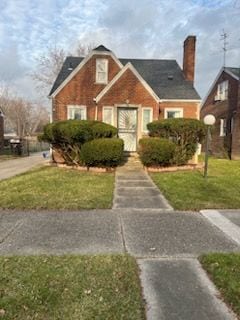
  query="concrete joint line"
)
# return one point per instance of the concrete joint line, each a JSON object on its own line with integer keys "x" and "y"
{"x": 15, "y": 227}
{"x": 225, "y": 225}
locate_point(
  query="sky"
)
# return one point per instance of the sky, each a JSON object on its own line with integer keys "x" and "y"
{"x": 130, "y": 28}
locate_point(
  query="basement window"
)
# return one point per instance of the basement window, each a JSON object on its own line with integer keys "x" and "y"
{"x": 77, "y": 112}
{"x": 102, "y": 71}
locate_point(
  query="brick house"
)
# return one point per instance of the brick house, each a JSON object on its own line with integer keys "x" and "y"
{"x": 223, "y": 101}
{"x": 127, "y": 93}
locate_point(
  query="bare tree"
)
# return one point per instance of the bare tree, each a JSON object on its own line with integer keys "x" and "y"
{"x": 49, "y": 64}
{"x": 22, "y": 116}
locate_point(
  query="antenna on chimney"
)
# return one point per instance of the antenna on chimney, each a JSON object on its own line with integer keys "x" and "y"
{"x": 225, "y": 43}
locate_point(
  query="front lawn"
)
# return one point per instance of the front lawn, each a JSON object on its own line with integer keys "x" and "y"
{"x": 224, "y": 270}
{"x": 57, "y": 188}
{"x": 189, "y": 190}
{"x": 70, "y": 287}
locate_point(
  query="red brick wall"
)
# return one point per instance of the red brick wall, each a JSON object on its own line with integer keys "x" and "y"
{"x": 82, "y": 89}
{"x": 128, "y": 87}
{"x": 190, "y": 109}
{"x": 222, "y": 146}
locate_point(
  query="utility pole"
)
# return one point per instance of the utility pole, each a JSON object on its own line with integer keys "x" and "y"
{"x": 225, "y": 43}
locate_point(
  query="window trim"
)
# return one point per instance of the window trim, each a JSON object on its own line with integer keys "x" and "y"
{"x": 166, "y": 110}
{"x": 108, "y": 107}
{"x": 222, "y": 133}
{"x": 80, "y": 107}
{"x": 222, "y": 96}
{"x": 106, "y": 71}
{"x": 151, "y": 117}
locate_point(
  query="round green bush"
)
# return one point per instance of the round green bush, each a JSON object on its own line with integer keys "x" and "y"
{"x": 186, "y": 133}
{"x": 102, "y": 152}
{"x": 67, "y": 137}
{"x": 156, "y": 151}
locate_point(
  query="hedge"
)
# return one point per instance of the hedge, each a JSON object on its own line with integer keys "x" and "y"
{"x": 68, "y": 136}
{"x": 102, "y": 152}
{"x": 185, "y": 133}
{"x": 156, "y": 151}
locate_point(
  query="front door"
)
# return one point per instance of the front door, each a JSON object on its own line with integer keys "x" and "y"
{"x": 127, "y": 127}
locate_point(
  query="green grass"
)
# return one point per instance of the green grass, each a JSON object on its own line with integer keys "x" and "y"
{"x": 70, "y": 287}
{"x": 57, "y": 188}
{"x": 224, "y": 270}
{"x": 189, "y": 190}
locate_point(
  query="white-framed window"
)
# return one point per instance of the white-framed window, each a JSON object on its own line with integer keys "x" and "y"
{"x": 222, "y": 90}
{"x": 101, "y": 70}
{"x": 108, "y": 115}
{"x": 173, "y": 113}
{"x": 223, "y": 127}
{"x": 77, "y": 112}
{"x": 231, "y": 124}
{"x": 147, "y": 115}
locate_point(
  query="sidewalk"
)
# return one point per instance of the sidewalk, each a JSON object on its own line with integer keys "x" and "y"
{"x": 10, "y": 168}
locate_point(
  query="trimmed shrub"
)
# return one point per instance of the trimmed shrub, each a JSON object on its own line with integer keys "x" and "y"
{"x": 102, "y": 152}
{"x": 185, "y": 133}
{"x": 156, "y": 151}
{"x": 68, "y": 136}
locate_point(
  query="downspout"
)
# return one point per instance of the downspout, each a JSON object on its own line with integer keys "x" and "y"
{"x": 96, "y": 109}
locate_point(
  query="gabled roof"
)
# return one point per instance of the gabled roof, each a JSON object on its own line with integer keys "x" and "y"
{"x": 101, "y": 48}
{"x": 68, "y": 66}
{"x": 165, "y": 77}
{"x": 234, "y": 71}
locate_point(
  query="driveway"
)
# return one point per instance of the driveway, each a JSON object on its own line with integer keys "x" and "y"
{"x": 10, "y": 168}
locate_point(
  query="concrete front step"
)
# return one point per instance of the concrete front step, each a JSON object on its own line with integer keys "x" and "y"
{"x": 134, "y": 184}
{"x": 133, "y": 176}
{"x": 137, "y": 192}
{"x": 125, "y": 202}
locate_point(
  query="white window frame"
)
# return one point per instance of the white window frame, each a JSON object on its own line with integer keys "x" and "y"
{"x": 222, "y": 90}
{"x": 80, "y": 107}
{"x": 151, "y": 117}
{"x": 108, "y": 107}
{"x": 106, "y": 71}
{"x": 222, "y": 127}
{"x": 166, "y": 110}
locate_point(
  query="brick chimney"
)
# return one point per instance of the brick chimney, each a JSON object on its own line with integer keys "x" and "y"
{"x": 189, "y": 57}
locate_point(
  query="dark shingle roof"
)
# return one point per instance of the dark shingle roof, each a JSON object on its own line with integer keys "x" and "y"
{"x": 101, "y": 48}
{"x": 165, "y": 77}
{"x": 68, "y": 66}
{"x": 235, "y": 71}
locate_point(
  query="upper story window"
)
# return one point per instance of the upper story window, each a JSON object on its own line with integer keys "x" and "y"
{"x": 101, "y": 71}
{"x": 173, "y": 113}
{"x": 222, "y": 91}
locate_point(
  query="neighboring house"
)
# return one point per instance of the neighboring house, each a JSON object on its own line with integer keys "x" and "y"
{"x": 127, "y": 93}
{"x": 223, "y": 101}
{"x": 1, "y": 130}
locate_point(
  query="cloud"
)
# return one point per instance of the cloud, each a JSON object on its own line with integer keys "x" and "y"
{"x": 136, "y": 28}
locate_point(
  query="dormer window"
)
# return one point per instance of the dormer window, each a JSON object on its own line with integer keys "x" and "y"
{"x": 101, "y": 71}
{"x": 222, "y": 91}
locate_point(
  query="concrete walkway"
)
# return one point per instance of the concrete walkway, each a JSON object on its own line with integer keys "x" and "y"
{"x": 135, "y": 189}
{"x": 10, "y": 168}
{"x": 166, "y": 245}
